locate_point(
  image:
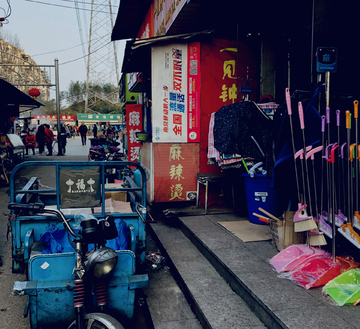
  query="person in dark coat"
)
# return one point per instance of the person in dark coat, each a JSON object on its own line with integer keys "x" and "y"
{"x": 95, "y": 130}
{"x": 83, "y": 130}
{"x": 40, "y": 138}
{"x": 63, "y": 136}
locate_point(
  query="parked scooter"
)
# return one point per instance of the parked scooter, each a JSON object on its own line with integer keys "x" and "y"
{"x": 92, "y": 269}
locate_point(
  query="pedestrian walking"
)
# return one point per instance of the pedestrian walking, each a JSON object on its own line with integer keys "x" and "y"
{"x": 63, "y": 135}
{"x": 68, "y": 134}
{"x": 83, "y": 130}
{"x": 48, "y": 138}
{"x": 72, "y": 130}
{"x": 30, "y": 141}
{"x": 95, "y": 130}
{"x": 40, "y": 135}
{"x": 109, "y": 132}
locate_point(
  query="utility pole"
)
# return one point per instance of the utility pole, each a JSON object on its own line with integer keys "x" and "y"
{"x": 102, "y": 63}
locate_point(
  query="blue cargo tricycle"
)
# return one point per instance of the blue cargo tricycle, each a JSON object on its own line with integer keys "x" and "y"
{"x": 79, "y": 243}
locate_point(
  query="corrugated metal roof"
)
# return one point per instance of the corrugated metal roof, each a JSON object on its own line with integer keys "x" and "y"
{"x": 137, "y": 56}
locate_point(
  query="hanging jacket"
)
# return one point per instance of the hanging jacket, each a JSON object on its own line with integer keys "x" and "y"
{"x": 242, "y": 128}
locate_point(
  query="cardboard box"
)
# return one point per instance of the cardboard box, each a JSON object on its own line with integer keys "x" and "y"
{"x": 284, "y": 235}
{"x": 119, "y": 196}
{"x": 116, "y": 195}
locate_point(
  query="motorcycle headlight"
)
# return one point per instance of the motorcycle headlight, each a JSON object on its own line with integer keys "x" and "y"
{"x": 102, "y": 262}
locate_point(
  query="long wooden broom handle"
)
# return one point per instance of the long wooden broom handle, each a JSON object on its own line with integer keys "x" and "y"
{"x": 270, "y": 215}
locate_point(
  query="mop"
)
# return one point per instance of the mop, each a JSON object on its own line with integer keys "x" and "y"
{"x": 323, "y": 225}
{"x": 356, "y": 219}
{"x": 294, "y": 255}
{"x": 340, "y": 218}
{"x": 346, "y": 229}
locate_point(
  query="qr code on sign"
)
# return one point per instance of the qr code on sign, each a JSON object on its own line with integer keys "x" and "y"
{"x": 193, "y": 70}
{"x": 193, "y": 63}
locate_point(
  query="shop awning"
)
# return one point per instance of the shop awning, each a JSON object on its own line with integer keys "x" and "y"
{"x": 130, "y": 16}
{"x": 137, "y": 57}
{"x": 13, "y": 100}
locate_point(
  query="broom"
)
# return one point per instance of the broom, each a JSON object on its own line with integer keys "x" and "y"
{"x": 303, "y": 222}
{"x": 316, "y": 238}
{"x": 302, "y": 215}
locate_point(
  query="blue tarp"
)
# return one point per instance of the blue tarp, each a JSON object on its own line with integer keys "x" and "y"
{"x": 57, "y": 240}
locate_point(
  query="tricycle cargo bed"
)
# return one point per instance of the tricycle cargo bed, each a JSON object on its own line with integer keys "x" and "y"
{"x": 28, "y": 230}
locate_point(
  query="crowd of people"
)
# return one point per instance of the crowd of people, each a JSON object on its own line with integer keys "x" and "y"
{"x": 43, "y": 136}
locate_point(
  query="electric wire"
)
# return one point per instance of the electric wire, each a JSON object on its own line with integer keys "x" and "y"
{"x": 80, "y": 29}
{"x": 74, "y": 60}
{"x": 62, "y": 6}
{"x": 61, "y": 50}
{"x": 7, "y": 13}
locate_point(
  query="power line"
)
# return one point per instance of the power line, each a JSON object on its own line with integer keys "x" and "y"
{"x": 74, "y": 60}
{"x": 58, "y": 51}
{"x": 80, "y": 28}
{"x": 56, "y": 5}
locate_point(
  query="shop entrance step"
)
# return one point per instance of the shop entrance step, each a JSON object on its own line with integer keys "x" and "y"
{"x": 212, "y": 300}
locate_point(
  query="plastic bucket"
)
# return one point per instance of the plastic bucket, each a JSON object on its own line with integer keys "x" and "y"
{"x": 259, "y": 194}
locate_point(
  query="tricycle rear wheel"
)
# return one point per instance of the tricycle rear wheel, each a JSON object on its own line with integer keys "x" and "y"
{"x": 99, "y": 321}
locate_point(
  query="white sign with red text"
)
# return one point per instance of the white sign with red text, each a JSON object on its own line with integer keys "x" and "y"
{"x": 169, "y": 93}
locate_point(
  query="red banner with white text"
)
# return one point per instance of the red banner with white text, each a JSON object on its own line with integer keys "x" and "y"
{"x": 134, "y": 124}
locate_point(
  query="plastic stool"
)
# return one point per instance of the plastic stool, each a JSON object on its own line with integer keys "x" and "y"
{"x": 204, "y": 179}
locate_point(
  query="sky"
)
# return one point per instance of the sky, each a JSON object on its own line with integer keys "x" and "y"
{"x": 49, "y": 29}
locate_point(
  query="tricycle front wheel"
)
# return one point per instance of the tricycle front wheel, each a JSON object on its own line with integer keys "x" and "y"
{"x": 99, "y": 321}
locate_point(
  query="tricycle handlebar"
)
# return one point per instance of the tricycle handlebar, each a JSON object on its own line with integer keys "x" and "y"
{"x": 40, "y": 207}
{"x": 27, "y": 206}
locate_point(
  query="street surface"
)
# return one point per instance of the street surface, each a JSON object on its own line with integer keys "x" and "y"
{"x": 162, "y": 290}
{"x": 12, "y": 307}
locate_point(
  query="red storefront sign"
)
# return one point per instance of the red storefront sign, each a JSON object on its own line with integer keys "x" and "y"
{"x": 134, "y": 122}
{"x": 223, "y": 62}
{"x": 193, "y": 128}
{"x": 147, "y": 27}
{"x": 175, "y": 168}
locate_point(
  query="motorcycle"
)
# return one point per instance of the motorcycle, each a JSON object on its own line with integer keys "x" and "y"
{"x": 78, "y": 274}
{"x": 92, "y": 268}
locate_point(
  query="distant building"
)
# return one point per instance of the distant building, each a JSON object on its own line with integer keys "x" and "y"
{"x": 20, "y": 75}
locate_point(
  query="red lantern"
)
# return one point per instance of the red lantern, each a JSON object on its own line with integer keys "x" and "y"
{"x": 34, "y": 93}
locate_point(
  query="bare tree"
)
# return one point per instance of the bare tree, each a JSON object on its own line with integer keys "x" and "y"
{"x": 8, "y": 37}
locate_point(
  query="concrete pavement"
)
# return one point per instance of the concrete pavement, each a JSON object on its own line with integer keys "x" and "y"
{"x": 162, "y": 282}
{"x": 276, "y": 302}
{"x": 12, "y": 307}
